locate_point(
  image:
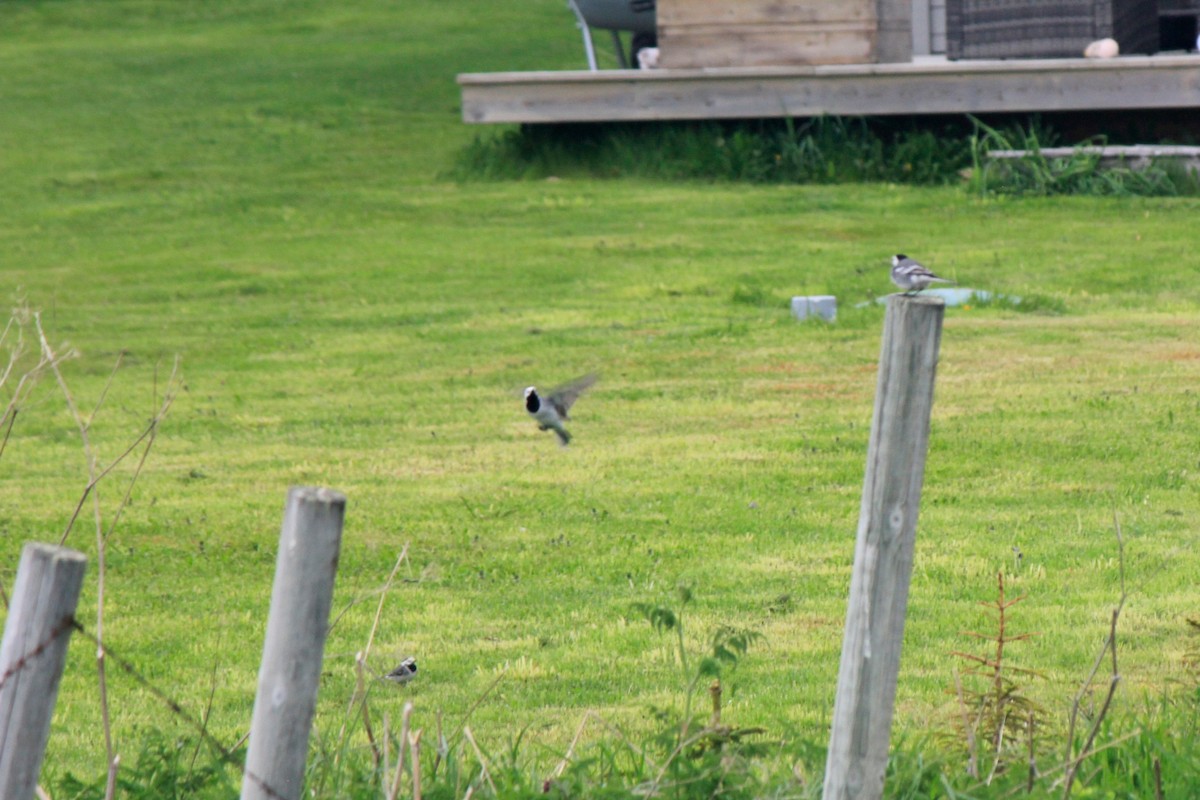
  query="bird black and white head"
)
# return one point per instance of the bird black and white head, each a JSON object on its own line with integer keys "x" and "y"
{"x": 532, "y": 401}
{"x": 896, "y": 259}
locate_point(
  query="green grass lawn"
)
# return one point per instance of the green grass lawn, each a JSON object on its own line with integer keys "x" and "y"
{"x": 257, "y": 188}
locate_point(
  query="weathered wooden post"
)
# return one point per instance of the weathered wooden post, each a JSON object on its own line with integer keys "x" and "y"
{"x": 295, "y": 644}
{"x": 32, "y": 656}
{"x": 883, "y": 553}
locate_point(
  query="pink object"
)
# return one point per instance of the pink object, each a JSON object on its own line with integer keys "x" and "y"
{"x": 1102, "y": 48}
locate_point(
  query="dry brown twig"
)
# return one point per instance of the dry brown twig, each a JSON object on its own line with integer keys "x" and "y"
{"x": 487, "y": 774}
{"x": 29, "y": 375}
{"x": 207, "y": 713}
{"x": 51, "y": 361}
{"x": 566, "y": 759}
{"x": 968, "y": 728}
{"x": 405, "y": 722}
{"x": 1116, "y": 742}
{"x": 381, "y": 592}
{"x": 1032, "y": 762}
{"x": 17, "y": 321}
{"x": 360, "y": 669}
{"x": 1074, "y": 760}
{"x": 362, "y": 688}
{"x": 592, "y": 714}
{"x": 414, "y": 741}
{"x": 387, "y": 752}
{"x": 387, "y": 585}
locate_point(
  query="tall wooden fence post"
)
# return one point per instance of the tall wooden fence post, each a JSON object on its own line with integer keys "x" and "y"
{"x": 32, "y": 656}
{"x": 295, "y": 644}
{"x": 883, "y": 552}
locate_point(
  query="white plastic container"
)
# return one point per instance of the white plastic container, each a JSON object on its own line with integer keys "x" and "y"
{"x": 823, "y": 306}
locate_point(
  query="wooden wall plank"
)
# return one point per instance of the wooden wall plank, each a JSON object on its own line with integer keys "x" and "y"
{"x": 712, "y": 33}
{"x": 751, "y": 12}
{"x": 766, "y": 46}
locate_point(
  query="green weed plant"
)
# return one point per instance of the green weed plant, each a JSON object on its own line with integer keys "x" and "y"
{"x": 818, "y": 150}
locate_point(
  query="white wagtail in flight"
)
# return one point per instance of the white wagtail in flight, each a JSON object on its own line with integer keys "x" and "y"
{"x": 404, "y": 672}
{"x": 551, "y": 408}
{"x": 912, "y": 276}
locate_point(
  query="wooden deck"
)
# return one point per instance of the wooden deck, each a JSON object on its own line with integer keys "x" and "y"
{"x": 935, "y": 87}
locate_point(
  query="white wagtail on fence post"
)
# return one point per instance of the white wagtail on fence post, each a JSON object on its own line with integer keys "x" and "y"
{"x": 911, "y": 275}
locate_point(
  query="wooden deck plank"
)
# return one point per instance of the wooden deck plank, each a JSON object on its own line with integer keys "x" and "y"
{"x": 953, "y": 87}
{"x": 1136, "y": 157}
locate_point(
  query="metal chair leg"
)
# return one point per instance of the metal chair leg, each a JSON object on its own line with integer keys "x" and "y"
{"x": 588, "y": 47}
{"x": 621, "y": 60}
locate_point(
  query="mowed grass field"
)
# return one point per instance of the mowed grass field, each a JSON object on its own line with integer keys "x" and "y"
{"x": 258, "y": 189}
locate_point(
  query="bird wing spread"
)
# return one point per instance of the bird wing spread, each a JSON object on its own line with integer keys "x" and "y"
{"x": 563, "y": 397}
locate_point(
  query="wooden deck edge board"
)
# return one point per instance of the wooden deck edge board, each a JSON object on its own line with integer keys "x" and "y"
{"x": 909, "y": 89}
{"x": 1108, "y": 151}
{"x": 1000, "y": 66}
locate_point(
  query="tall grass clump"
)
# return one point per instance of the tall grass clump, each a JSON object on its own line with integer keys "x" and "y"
{"x": 1081, "y": 173}
{"x": 166, "y": 767}
{"x": 818, "y": 150}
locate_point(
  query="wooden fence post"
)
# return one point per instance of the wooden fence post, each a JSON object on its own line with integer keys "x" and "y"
{"x": 32, "y": 656}
{"x": 883, "y": 552}
{"x": 295, "y": 644}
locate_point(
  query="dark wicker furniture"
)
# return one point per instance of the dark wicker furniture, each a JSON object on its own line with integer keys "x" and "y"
{"x": 1041, "y": 29}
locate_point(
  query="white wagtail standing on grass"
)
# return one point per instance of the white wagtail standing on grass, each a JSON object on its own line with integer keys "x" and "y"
{"x": 912, "y": 276}
{"x": 551, "y": 409}
{"x": 404, "y": 672}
